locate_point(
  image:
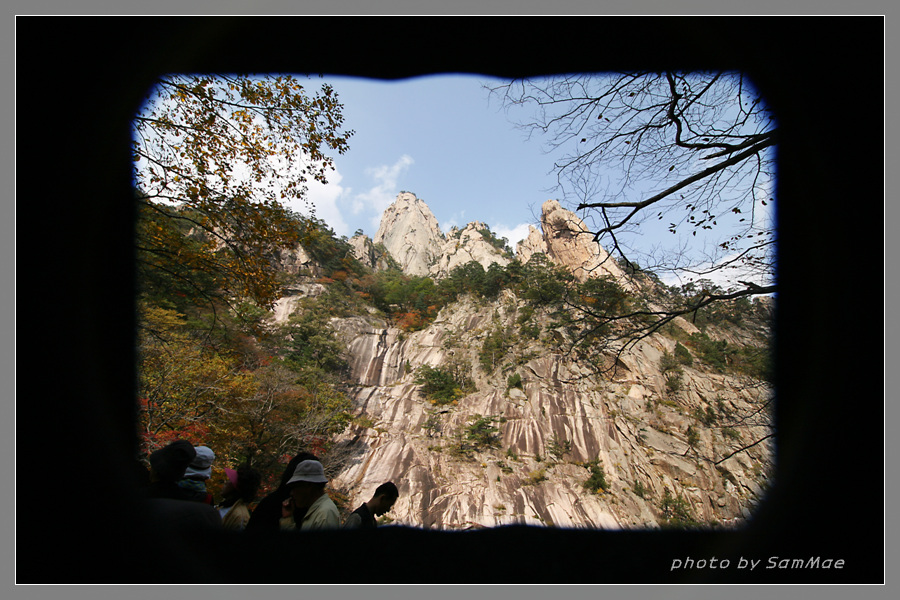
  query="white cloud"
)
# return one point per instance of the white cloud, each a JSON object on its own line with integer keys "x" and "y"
{"x": 333, "y": 200}
{"x": 384, "y": 192}
{"x": 453, "y": 221}
{"x": 513, "y": 234}
{"x": 325, "y": 199}
{"x": 322, "y": 197}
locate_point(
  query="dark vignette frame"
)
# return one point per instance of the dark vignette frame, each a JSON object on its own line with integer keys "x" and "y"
{"x": 79, "y": 81}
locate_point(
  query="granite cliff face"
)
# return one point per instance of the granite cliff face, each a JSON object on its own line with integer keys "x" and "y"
{"x": 549, "y": 429}
{"x": 372, "y": 256}
{"x": 410, "y": 234}
{"x": 538, "y": 425}
{"x": 565, "y": 239}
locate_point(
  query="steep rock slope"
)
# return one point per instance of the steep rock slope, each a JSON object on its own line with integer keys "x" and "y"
{"x": 372, "y": 256}
{"x": 539, "y": 435}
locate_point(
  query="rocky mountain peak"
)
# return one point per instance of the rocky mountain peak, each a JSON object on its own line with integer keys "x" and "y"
{"x": 534, "y": 432}
{"x": 411, "y": 234}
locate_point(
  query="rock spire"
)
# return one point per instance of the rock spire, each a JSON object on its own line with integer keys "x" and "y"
{"x": 411, "y": 234}
{"x": 566, "y": 240}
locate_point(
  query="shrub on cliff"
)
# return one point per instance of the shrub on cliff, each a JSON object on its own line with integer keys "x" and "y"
{"x": 597, "y": 480}
{"x": 439, "y": 385}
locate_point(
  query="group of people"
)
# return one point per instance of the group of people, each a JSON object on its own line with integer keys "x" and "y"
{"x": 176, "y": 489}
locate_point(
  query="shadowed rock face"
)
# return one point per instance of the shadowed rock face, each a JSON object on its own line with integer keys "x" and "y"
{"x": 641, "y": 445}
{"x": 298, "y": 261}
{"x": 365, "y": 251}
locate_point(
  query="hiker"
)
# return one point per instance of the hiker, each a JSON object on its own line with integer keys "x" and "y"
{"x": 382, "y": 501}
{"x": 167, "y": 466}
{"x": 238, "y": 492}
{"x": 198, "y": 472}
{"x": 167, "y": 505}
{"x": 307, "y": 488}
{"x": 277, "y": 505}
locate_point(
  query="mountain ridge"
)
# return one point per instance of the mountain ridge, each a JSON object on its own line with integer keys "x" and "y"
{"x": 410, "y": 234}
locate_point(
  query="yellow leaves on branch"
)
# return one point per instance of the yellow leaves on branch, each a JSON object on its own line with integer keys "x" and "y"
{"x": 206, "y": 143}
{"x": 183, "y": 382}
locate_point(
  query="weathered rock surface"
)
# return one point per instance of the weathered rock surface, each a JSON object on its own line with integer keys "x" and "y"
{"x": 649, "y": 440}
{"x": 298, "y": 261}
{"x": 531, "y": 245}
{"x": 565, "y": 239}
{"x": 366, "y": 252}
{"x": 410, "y": 233}
{"x": 294, "y": 294}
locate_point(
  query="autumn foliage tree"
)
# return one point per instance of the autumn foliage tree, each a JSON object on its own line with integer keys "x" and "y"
{"x": 184, "y": 383}
{"x": 216, "y": 157}
{"x": 215, "y": 161}
{"x": 249, "y": 406}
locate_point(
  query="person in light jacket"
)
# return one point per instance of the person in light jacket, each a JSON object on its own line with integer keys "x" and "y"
{"x": 307, "y": 488}
{"x": 238, "y": 492}
{"x": 278, "y": 505}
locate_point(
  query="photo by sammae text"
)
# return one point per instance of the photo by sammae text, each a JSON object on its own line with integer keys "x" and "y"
{"x": 751, "y": 564}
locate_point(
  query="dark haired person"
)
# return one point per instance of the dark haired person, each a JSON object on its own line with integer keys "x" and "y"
{"x": 168, "y": 506}
{"x": 238, "y": 492}
{"x": 382, "y": 501}
{"x": 167, "y": 467}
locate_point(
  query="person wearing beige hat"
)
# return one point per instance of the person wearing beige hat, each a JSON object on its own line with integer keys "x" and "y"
{"x": 277, "y": 505}
{"x": 307, "y": 488}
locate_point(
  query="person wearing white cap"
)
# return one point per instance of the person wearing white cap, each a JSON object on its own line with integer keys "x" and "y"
{"x": 307, "y": 488}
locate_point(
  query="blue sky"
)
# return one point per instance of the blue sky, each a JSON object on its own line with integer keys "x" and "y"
{"x": 441, "y": 138}
{"x": 444, "y": 139}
